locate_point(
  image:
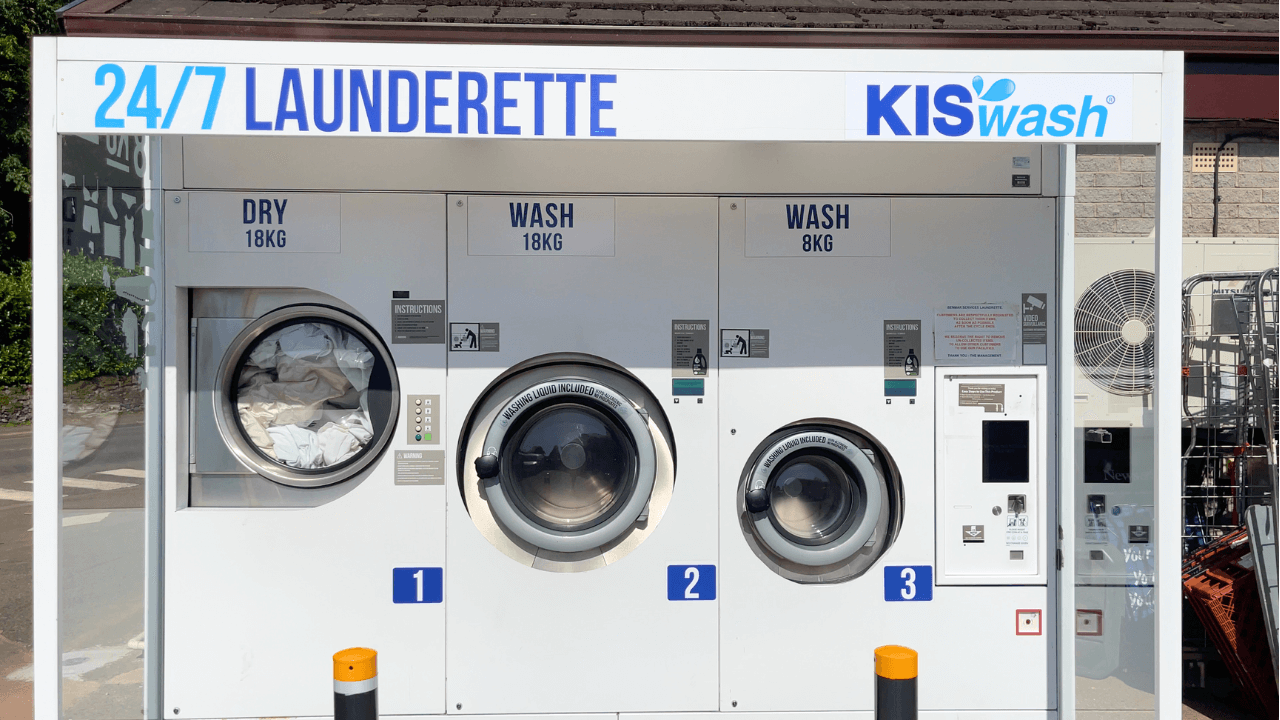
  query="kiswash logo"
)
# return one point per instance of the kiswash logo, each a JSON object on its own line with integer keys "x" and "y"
{"x": 941, "y": 106}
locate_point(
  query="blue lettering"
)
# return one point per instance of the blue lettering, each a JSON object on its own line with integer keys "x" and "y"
{"x": 250, "y": 211}
{"x": 598, "y": 105}
{"x": 1032, "y": 122}
{"x": 251, "y": 121}
{"x": 434, "y": 101}
{"x": 795, "y": 216}
{"x": 997, "y": 119}
{"x": 280, "y": 210}
{"x": 551, "y": 215}
{"x": 535, "y": 218}
{"x": 539, "y": 81}
{"x": 291, "y": 84}
{"x": 566, "y": 215}
{"x": 881, "y": 108}
{"x": 1087, "y": 109}
{"x": 570, "y": 80}
{"x": 466, "y": 102}
{"x": 827, "y": 222}
{"x": 842, "y": 215}
{"x": 394, "y": 78}
{"x": 1064, "y": 124}
{"x": 264, "y": 211}
{"x": 372, "y": 104}
{"x": 519, "y": 214}
{"x": 811, "y": 220}
{"x": 501, "y": 103}
{"x": 922, "y": 109}
{"x": 322, "y": 124}
{"x": 963, "y": 115}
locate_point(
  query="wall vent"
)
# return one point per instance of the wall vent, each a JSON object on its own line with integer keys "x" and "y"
{"x": 1202, "y": 157}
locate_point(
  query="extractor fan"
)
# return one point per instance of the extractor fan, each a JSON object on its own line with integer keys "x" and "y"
{"x": 1115, "y": 332}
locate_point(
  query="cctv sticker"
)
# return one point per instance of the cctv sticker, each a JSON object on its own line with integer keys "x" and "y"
{"x": 264, "y": 223}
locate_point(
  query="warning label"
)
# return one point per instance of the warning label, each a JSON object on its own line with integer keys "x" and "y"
{"x": 976, "y": 334}
{"x": 1035, "y": 328}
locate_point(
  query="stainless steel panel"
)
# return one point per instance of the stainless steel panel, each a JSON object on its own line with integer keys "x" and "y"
{"x": 210, "y": 452}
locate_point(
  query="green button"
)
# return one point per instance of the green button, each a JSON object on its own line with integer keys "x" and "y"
{"x": 417, "y": 437}
{"x": 428, "y": 437}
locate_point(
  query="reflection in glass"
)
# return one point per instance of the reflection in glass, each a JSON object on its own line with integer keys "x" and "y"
{"x": 569, "y": 467}
{"x": 810, "y": 498}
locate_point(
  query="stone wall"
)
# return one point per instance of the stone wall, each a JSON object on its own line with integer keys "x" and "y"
{"x": 1115, "y": 187}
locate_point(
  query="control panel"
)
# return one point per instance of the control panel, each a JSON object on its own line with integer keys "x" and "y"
{"x": 422, "y": 420}
{"x": 991, "y": 479}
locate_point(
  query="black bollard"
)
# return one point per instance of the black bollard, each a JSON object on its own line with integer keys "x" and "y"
{"x": 355, "y": 684}
{"x": 896, "y": 669}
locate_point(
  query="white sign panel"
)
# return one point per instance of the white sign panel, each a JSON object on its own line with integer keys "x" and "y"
{"x": 817, "y": 227}
{"x": 265, "y": 222}
{"x": 564, "y": 101}
{"x": 976, "y": 334}
{"x": 543, "y": 226}
{"x": 993, "y": 107}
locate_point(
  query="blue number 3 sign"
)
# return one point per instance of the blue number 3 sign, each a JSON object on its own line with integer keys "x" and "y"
{"x": 691, "y": 582}
{"x": 911, "y": 583}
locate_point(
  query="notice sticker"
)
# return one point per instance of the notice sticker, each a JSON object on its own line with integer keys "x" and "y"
{"x": 1035, "y": 328}
{"x": 419, "y": 322}
{"x": 976, "y": 334}
{"x": 690, "y": 343}
{"x": 988, "y": 397}
{"x": 419, "y": 467}
{"x": 744, "y": 343}
{"x": 901, "y": 349}
{"x": 1016, "y": 531}
{"x": 473, "y": 337}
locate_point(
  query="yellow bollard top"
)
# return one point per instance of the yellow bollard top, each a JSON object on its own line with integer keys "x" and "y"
{"x": 355, "y": 664}
{"x": 894, "y": 662}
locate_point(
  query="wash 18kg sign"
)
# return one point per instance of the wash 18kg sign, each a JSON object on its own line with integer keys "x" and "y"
{"x": 598, "y": 104}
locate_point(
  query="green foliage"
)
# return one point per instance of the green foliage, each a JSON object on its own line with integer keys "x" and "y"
{"x": 92, "y": 343}
{"x": 19, "y": 21}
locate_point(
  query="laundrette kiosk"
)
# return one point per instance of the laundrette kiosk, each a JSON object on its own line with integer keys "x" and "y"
{"x": 659, "y": 380}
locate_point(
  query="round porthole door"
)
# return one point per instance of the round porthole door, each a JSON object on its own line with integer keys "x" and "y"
{"x": 568, "y": 464}
{"x": 819, "y": 503}
{"x": 307, "y": 396}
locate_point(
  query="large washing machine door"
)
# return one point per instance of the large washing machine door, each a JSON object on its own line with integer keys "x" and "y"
{"x": 568, "y": 460}
{"x": 819, "y": 503}
{"x": 306, "y": 396}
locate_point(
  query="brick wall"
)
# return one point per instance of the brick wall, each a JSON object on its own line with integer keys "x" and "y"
{"x": 1115, "y": 187}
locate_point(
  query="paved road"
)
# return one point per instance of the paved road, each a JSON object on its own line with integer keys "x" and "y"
{"x": 102, "y": 576}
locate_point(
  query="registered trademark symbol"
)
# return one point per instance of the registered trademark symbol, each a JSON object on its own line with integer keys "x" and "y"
{"x": 1111, "y": 99}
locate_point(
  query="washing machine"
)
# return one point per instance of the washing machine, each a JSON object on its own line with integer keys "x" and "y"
{"x": 884, "y": 445}
{"x": 308, "y": 477}
{"x": 582, "y": 544}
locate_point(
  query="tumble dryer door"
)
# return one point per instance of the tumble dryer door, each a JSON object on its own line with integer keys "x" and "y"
{"x": 305, "y": 395}
{"x": 565, "y": 459}
{"x": 819, "y": 503}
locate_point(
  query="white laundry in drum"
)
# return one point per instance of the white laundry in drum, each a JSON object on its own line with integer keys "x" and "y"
{"x": 302, "y": 395}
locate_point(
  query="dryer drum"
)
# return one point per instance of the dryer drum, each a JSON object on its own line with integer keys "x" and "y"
{"x": 819, "y": 503}
{"x": 307, "y": 396}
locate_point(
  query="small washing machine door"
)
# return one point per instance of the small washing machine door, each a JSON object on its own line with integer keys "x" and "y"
{"x": 307, "y": 396}
{"x": 567, "y": 457}
{"x": 819, "y": 503}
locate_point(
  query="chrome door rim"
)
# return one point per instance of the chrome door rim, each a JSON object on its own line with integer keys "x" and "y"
{"x": 227, "y": 414}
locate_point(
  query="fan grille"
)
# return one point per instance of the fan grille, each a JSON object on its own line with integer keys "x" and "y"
{"x": 1115, "y": 332}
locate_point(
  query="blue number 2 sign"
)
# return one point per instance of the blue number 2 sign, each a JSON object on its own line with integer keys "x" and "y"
{"x": 910, "y": 583}
{"x": 417, "y": 585}
{"x": 691, "y": 582}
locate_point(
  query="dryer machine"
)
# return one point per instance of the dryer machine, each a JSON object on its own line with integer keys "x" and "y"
{"x": 861, "y": 440}
{"x": 306, "y": 480}
{"x": 581, "y": 527}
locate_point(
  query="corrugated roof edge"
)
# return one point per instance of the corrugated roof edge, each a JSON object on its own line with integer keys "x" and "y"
{"x": 95, "y": 18}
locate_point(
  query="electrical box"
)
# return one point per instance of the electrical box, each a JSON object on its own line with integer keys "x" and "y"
{"x": 991, "y": 479}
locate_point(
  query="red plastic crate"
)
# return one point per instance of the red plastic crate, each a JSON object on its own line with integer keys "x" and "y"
{"x": 1224, "y": 595}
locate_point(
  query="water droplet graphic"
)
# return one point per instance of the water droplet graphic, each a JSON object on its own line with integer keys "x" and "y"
{"x": 1000, "y": 90}
{"x": 977, "y": 85}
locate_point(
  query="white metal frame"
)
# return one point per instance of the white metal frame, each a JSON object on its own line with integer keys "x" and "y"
{"x": 1158, "y": 98}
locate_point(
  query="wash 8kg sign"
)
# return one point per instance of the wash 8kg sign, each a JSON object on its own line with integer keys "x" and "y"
{"x": 1006, "y": 106}
{"x": 545, "y": 100}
